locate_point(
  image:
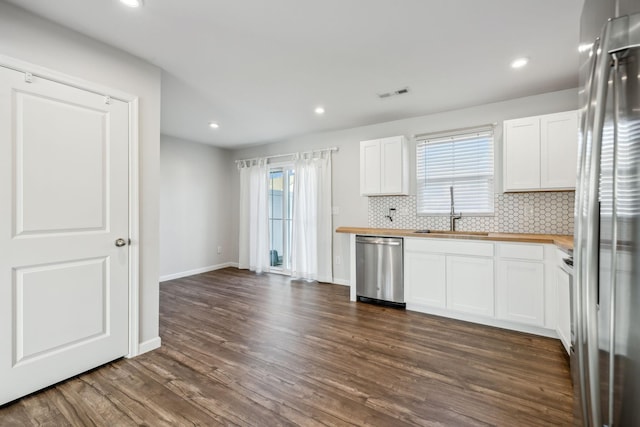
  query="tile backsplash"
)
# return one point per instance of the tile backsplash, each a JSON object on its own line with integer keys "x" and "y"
{"x": 539, "y": 212}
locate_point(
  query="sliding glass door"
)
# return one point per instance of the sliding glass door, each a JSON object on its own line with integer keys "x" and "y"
{"x": 280, "y": 216}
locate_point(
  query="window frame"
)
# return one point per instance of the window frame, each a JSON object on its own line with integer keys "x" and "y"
{"x": 454, "y": 136}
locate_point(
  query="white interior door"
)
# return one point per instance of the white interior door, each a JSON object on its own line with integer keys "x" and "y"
{"x": 63, "y": 203}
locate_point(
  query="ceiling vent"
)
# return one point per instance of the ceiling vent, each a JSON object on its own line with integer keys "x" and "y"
{"x": 402, "y": 91}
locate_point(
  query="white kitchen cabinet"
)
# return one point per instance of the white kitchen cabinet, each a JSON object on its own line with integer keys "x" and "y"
{"x": 522, "y": 154}
{"x": 520, "y": 291}
{"x": 370, "y": 167}
{"x": 425, "y": 279}
{"x": 384, "y": 167}
{"x": 470, "y": 285}
{"x": 540, "y": 152}
{"x": 520, "y": 283}
{"x": 559, "y": 150}
{"x": 449, "y": 274}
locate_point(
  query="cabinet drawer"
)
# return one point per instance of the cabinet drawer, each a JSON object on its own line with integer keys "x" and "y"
{"x": 449, "y": 246}
{"x": 521, "y": 251}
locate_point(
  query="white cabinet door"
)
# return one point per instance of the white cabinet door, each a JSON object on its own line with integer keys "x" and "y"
{"x": 384, "y": 167}
{"x": 522, "y": 154}
{"x": 392, "y": 178}
{"x": 564, "y": 308}
{"x": 558, "y": 150}
{"x": 470, "y": 285}
{"x": 425, "y": 279}
{"x": 370, "y": 167}
{"x": 520, "y": 292}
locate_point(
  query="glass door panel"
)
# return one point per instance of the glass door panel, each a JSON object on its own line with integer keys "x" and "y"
{"x": 280, "y": 217}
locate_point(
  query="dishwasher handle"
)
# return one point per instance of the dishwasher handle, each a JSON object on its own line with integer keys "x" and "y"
{"x": 379, "y": 241}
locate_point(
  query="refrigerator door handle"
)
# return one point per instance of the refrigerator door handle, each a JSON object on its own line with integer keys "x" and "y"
{"x": 590, "y": 230}
{"x": 614, "y": 236}
{"x": 586, "y": 133}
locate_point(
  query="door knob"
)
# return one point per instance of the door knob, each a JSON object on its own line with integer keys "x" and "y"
{"x": 120, "y": 242}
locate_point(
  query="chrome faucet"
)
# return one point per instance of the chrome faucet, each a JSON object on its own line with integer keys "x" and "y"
{"x": 452, "y": 215}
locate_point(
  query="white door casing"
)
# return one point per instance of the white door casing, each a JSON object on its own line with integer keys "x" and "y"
{"x": 64, "y": 192}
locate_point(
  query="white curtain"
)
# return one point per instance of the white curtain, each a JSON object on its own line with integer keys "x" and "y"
{"x": 311, "y": 255}
{"x": 254, "y": 216}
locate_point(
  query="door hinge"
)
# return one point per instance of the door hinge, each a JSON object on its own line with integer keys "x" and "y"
{"x": 28, "y": 77}
{"x": 107, "y": 99}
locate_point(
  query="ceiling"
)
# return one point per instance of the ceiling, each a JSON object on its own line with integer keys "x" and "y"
{"x": 259, "y": 68}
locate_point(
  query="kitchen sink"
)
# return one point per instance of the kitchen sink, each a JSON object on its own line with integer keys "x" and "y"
{"x": 455, "y": 233}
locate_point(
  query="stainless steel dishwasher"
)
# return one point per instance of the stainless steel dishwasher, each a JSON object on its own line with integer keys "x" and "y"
{"x": 380, "y": 269}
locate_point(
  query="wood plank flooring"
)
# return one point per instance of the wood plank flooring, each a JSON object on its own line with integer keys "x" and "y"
{"x": 263, "y": 350}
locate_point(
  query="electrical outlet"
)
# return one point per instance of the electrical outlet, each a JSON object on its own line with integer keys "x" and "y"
{"x": 338, "y": 260}
{"x": 528, "y": 210}
{"x": 219, "y": 250}
{"x": 335, "y": 210}
{"x": 403, "y": 212}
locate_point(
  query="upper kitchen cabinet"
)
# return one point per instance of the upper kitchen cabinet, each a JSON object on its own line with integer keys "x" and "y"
{"x": 522, "y": 154}
{"x": 540, "y": 153}
{"x": 559, "y": 150}
{"x": 384, "y": 167}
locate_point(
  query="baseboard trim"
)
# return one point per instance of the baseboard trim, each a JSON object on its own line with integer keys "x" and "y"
{"x": 197, "y": 271}
{"x": 342, "y": 282}
{"x": 149, "y": 345}
{"x": 497, "y": 323}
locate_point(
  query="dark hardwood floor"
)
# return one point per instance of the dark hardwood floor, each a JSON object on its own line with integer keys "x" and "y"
{"x": 242, "y": 349}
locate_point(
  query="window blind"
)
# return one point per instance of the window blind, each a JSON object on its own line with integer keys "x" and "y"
{"x": 464, "y": 161}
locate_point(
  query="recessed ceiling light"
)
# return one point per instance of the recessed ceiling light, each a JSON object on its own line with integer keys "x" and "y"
{"x": 319, "y": 110}
{"x": 214, "y": 125}
{"x": 520, "y": 62}
{"x": 132, "y": 3}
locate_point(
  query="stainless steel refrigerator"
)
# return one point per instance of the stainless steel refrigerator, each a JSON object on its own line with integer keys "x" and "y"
{"x": 605, "y": 359}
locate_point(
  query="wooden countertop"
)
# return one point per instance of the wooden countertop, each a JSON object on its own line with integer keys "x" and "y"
{"x": 563, "y": 241}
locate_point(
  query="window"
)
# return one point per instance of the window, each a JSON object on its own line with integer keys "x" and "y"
{"x": 463, "y": 161}
{"x": 280, "y": 216}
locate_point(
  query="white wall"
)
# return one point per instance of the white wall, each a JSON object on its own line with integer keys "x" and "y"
{"x": 346, "y": 191}
{"x": 32, "y": 39}
{"x": 195, "y": 212}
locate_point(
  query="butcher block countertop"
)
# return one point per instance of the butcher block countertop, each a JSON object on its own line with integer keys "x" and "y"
{"x": 563, "y": 241}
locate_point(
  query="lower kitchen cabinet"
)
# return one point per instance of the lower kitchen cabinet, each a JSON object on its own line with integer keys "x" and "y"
{"x": 511, "y": 285}
{"x": 520, "y": 291}
{"x": 505, "y": 284}
{"x": 425, "y": 279}
{"x": 470, "y": 285}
